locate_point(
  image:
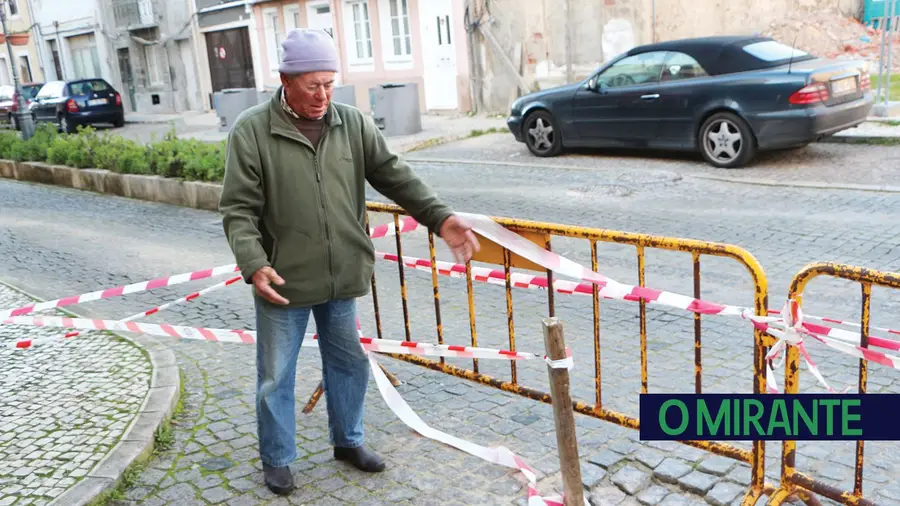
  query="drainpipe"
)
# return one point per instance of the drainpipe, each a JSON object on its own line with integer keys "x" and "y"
{"x": 59, "y": 49}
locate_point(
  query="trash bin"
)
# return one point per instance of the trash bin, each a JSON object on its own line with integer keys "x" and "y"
{"x": 395, "y": 108}
{"x": 345, "y": 94}
{"x": 230, "y": 103}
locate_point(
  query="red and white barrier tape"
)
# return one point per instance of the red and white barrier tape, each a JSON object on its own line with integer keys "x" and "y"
{"x": 407, "y": 224}
{"x": 109, "y": 293}
{"x": 249, "y": 337}
{"x": 28, "y": 343}
{"x": 846, "y": 323}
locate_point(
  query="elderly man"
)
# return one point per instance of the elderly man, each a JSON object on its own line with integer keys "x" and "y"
{"x": 294, "y": 206}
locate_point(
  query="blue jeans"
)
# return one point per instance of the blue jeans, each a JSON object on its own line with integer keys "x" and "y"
{"x": 345, "y": 375}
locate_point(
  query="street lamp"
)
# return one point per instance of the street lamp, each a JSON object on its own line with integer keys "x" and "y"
{"x": 23, "y": 117}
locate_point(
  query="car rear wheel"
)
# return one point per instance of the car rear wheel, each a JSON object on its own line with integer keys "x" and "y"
{"x": 541, "y": 134}
{"x": 726, "y": 141}
{"x": 66, "y": 126}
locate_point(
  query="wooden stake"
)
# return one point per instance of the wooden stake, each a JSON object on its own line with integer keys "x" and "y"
{"x": 563, "y": 415}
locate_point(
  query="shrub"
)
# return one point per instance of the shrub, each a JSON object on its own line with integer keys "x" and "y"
{"x": 170, "y": 157}
{"x": 35, "y": 148}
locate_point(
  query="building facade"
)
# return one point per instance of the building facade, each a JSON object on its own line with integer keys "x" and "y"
{"x": 70, "y": 36}
{"x": 26, "y": 58}
{"x": 154, "y": 65}
{"x": 379, "y": 42}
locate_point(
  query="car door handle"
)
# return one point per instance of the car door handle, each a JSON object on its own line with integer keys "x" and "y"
{"x": 650, "y": 97}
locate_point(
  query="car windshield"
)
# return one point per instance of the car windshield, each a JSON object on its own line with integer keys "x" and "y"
{"x": 6, "y": 93}
{"x": 52, "y": 90}
{"x": 772, "y": 51}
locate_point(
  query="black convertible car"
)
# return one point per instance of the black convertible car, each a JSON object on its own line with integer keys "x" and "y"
{"x": 727, "y": 97}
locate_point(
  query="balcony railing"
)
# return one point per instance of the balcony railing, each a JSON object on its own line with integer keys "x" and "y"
{"x": 130, "y": 14}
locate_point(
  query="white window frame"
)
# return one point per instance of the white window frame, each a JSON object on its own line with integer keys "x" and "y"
{"x": 9, "y": 13}
{"x": 355, "y": 62}
{"x": 27, "y": 59}
{"x": 274, "y": 37}
{"x": 154, "y": 66}
{"x": 292, "y": 18}
{"x": 392, "y": 59}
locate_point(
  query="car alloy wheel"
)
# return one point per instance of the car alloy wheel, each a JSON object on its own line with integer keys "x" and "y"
{"x": 541, "y": 136}
{"x": 726, "y": 141}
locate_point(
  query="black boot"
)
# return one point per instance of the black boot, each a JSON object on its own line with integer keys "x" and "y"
{"x": 279, "y": 479}
{"x": 362, "y": 458}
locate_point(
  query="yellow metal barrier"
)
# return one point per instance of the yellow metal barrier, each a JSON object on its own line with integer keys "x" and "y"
{"x": 792, "y": 480}
{"x": 541, "y": 233}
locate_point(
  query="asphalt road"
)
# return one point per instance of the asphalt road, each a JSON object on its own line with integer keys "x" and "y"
{"x": 58, "y": 242}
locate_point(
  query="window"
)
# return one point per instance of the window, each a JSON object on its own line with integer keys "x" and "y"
{"x": 154, "y": 67}
{"x": 401, "y": 42}
{"x": 634, "y": 70}
{"x": 291, "y": 18}
{"x": 54, "y": 89}
{"x": 25, "y": 69}
{"x": 85, "y": 60}
{"x": 5, "y": 73}
{"x": 88, "y": 87}
{"x": 774, "y": 51}
{"x": 680, "y": 66}
{"x": 362, "y": 36}
{"x": 13, "y": 7}
{"x": 274, "y": 38}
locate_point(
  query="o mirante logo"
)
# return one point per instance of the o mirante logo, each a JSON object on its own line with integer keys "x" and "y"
{"x": 726, "y": 417}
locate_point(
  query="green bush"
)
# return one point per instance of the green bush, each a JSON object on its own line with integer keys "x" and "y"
{"x": 171, "y": 157}
{"x": 35, "y": 148}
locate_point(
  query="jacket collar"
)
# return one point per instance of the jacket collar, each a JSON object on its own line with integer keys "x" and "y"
{"x": 280, "y": 123}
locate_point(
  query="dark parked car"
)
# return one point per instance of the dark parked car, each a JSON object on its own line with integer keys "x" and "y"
{"x": 9, "y": 101}
{"x": 78, "y": 102}
{"x": 727, "y": 97}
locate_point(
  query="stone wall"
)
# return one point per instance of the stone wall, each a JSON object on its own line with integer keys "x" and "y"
{"x": 532, "y": 33}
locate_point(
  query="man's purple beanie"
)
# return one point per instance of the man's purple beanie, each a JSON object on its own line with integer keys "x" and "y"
{"x": 307, "y": 50}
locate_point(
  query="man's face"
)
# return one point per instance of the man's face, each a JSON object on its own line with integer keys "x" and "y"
{"x": 309, "y": 94}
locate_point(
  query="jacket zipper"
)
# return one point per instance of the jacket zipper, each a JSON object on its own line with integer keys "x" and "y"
{"x": 325, "y": 216}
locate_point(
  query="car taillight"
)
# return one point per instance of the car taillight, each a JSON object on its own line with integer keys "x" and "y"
{"x": 15, "y": 104}
{"x": 71, "y": 105}
{"x": 118, "y": 99}
{"x": 812, "y": 94}
{"x": 865, "y": 84}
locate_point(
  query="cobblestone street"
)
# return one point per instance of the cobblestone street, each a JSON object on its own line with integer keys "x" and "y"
{"x": 58, "y": 242}
{"x": 65, "y": 406}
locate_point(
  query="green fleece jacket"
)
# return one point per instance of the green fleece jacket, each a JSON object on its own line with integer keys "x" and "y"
{"x": 302, "y": 211}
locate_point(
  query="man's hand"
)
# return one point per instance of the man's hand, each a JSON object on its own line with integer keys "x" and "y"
{"x": 262, "y": 280}
{"x": 459, "y": 236}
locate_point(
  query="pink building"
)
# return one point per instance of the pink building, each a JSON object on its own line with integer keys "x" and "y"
{"x": 379, "y": 42}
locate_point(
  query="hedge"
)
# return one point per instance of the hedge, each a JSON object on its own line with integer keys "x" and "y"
{"x": 187, "y": 159}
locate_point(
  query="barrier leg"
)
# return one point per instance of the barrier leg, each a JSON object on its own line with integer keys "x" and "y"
{"x": 317, "y": 393}
{"x": 563, "y": 415}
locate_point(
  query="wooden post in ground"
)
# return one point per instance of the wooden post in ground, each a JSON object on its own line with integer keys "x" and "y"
{"x": 563, "y": 414}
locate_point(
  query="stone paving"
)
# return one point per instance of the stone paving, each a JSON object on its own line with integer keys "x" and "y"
{"x": 64, "y": 406}
{"x": 832, "y": 164}
{"x": 214, "y": 459}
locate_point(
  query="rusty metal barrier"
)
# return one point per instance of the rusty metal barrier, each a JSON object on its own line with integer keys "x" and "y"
{"x": 792, "y": 480}
{"x": 541, "y": 234}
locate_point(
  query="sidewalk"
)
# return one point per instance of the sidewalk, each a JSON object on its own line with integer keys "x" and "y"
{"x": 75, "y": 414}
{"x": 874, "y": 131}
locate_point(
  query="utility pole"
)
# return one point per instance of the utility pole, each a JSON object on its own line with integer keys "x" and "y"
{"x": 23, "y": 117}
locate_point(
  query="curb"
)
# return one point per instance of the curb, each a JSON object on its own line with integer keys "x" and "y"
{"x": 139, "y": 440}
{"x": 872, "y": 140}
{"x": 724, "y": 179}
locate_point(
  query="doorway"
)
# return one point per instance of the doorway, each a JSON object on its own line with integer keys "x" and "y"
{"x": 230, "y": 59}
{"x": 127, "y": 76}
{"x": 436, "y": 18}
